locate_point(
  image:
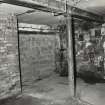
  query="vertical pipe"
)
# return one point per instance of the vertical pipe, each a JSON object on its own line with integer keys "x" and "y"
{"x": 70, "y": 55}
{"x": 74, "y": 55}
{"x": 19, "y": 57}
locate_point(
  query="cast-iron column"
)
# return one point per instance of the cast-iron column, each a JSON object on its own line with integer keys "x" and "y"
{"x": 70, "y": 54}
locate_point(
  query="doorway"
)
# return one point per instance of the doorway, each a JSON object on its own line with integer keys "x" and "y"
{"x": 44, "y": 75}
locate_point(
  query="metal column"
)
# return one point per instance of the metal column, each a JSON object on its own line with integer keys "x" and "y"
{"x": 70, "y": 55}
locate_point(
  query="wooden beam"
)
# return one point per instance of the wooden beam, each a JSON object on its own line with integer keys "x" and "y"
{"x": 35, "y": 32}
{"x": 55, "y": 7}
{"x": 82, "y": 14}
{"x": 70, "y": 56}
{"x": 43, "y": 5}
{"x": 86, "y": 18}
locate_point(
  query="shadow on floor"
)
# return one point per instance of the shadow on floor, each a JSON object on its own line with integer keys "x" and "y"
{"x": 91, "y": 77}
{"x": 28, "y": 100}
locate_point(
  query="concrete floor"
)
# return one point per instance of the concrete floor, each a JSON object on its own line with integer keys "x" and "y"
{"x": 53, "y": 88}
{"x": 29, "y": 100}
{"x": 56, "y": 88}
{"x": 91, "y": 93}
{"x": 21, "y": 100}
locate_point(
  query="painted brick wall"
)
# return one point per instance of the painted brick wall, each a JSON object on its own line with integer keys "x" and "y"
{"x": 37, "y": 56}
{"x": 9, "y": 71}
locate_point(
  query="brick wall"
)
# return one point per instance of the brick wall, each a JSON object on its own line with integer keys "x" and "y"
{"x": 9, "y": 71}
{"x": 37, "y": 56}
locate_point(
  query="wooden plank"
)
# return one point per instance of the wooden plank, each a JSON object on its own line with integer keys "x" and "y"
{"x": 70, "y": 55}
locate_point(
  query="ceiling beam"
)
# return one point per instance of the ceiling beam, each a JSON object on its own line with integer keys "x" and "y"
{"x": 44, "y": 5}
{"x": 82, "y": 14}
{"x": 88, "y": 16}
{"x": 55, "y": 6}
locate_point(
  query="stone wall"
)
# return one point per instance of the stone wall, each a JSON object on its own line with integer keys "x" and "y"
{"x": 9, "y": 71}
{"x": 37, "y": 56}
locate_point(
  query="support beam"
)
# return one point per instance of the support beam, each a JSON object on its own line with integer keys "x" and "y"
{"x": 77, "y": 12}
{"x": 70, "y": 55}
{"x": 43, "y": 5}
{"x": 86, "y": 18}
{"x": 55, "y": 7}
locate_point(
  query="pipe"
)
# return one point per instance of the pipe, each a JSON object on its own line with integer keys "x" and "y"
{"x": 70, "y": 57}
{"x": 21, "y": 85}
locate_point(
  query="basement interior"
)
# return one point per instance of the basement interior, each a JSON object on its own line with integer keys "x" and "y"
{"x": 51, "y": 55}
